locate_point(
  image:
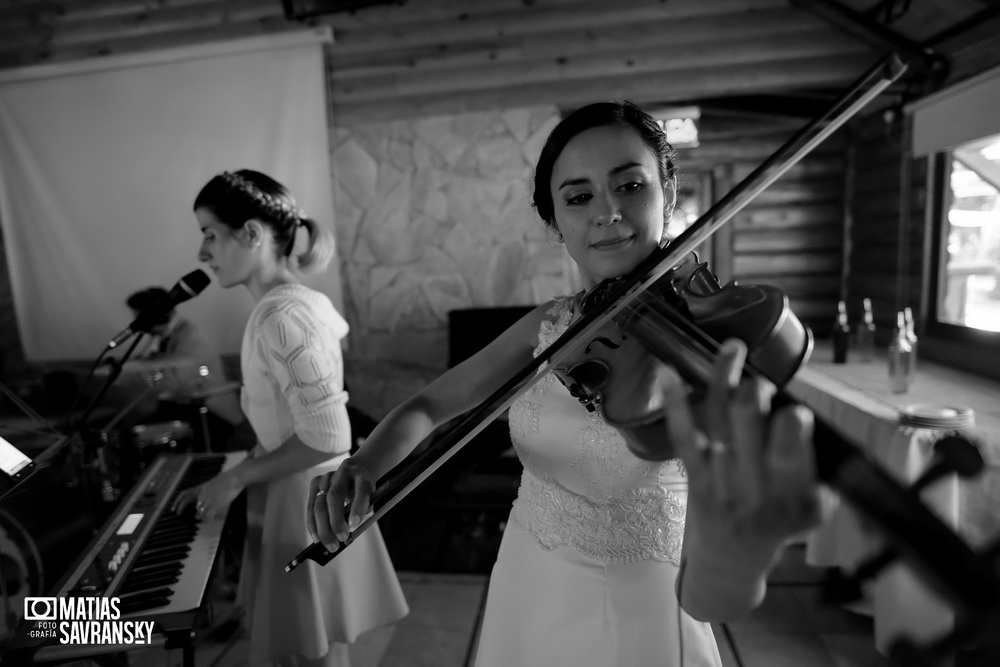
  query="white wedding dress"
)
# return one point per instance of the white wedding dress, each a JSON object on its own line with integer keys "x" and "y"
{"x": 587, "y": 565}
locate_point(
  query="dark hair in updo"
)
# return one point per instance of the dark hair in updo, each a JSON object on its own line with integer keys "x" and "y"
{"x": 236, "y": 197}
{"x": 600, "y": 114}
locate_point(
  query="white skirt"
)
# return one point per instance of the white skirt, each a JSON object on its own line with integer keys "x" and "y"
{"x": 554, "y": 608}
{"x": 303, "y": 611}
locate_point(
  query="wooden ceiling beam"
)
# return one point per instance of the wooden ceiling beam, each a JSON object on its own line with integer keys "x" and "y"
{"x": 878, "y": 36}
{"x": 358, "y": 59}
{"x": 958, "y": 29}
{"x": 538, "y": 19}
{"x": 44, "y": 52}
{"x": 168, "y": 19}
{"x": 788, "y": 106}
{"x": 709, "y": 53}
{"x": 645, "y": 88}
{"x": 473, "y": 13}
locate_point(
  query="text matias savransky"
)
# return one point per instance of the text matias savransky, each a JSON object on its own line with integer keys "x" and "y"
{"x": 84, "y": 620}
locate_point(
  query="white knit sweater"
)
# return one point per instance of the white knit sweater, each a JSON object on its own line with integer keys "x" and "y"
{"x": 293, "y": 375}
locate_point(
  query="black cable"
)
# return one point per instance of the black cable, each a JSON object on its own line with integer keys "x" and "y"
{"x": 680, "y": 621}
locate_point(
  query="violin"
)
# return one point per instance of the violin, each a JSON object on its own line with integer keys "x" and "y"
{"x": 616, "y": 370}
{"x": 672, "y": 308}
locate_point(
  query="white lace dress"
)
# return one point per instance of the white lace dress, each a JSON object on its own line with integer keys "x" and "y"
{"x": 586, "y": 569}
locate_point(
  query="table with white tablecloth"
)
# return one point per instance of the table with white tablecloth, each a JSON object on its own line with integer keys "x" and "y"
{"x": 855, "y": 399}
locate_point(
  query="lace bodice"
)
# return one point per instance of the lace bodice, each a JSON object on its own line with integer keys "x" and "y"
{"x": 581, "y": 487}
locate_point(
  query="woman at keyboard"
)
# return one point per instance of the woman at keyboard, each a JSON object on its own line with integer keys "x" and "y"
{"x": 254, "y": 235}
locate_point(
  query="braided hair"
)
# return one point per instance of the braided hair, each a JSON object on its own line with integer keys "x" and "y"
{"x": 236, "y": 197}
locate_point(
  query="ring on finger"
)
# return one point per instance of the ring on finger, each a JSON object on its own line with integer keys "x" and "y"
{"x": 322, "y": 492}
{"x": 705, "y": 444}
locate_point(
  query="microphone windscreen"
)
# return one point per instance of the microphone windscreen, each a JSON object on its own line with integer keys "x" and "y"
{"x": 197, "y": 281}
{"x": 189, "y": 286}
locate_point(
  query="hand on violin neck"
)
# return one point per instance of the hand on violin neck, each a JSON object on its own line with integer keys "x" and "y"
{"x": 751, "y": 473}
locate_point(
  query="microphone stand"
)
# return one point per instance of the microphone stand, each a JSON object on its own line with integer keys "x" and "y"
{"x": 90, "y": 449}
{"x": 116, "y": 371}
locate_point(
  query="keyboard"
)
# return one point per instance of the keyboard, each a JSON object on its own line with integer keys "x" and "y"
{"x": 156, "y": 561}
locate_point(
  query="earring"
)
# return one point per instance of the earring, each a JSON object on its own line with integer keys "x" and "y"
{"x": 255, "y": 243}
{"x": 559, "y": 236}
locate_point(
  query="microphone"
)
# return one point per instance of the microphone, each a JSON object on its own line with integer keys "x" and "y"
{"x": 187, "y": 287}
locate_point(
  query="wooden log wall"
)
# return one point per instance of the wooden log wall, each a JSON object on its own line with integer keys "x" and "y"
{"x": 791, "y": 236}
{"x": 887, "y": 233}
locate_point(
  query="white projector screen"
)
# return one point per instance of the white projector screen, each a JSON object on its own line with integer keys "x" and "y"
{"x": 100, "y": 162}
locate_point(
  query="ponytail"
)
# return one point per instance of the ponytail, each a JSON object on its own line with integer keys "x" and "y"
{"x": 317, "y": 255}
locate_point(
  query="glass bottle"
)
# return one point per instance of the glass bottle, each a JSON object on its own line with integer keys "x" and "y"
{"x": 911, "y": 335}
{"x": 900, "y": 357}
{"x": 866, "y": 334}
{"x": 841, "y": 334}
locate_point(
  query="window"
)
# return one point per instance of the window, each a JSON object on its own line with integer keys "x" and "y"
{"x": 964, "y": 294}
{"x": 969, "y": 292}
{"x": 958, "y": 130}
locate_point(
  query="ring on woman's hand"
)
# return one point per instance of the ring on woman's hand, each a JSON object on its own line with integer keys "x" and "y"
{"x": 705, "y": 444}
{"x": 322, "y": 492}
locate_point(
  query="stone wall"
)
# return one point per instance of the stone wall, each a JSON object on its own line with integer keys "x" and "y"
{"x": 432, "y": 215}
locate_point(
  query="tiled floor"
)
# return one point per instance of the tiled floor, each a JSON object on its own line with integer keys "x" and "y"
{"x": 791, "y": 629}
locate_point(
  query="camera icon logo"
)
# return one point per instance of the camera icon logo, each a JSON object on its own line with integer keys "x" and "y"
{"x": 40, "y": 608}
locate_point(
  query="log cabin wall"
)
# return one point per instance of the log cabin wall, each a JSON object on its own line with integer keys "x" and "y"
{"x": 792, "y": 235}
{"x": 887, "y": 231}
{"x": 428, "y": 94}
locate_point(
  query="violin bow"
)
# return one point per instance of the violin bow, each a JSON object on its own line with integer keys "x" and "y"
{"x": 968, "y": 579}
{"x": 403, "y": 479}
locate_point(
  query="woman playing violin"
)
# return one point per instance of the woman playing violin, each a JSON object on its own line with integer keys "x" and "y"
{"x": 609, "y": 559}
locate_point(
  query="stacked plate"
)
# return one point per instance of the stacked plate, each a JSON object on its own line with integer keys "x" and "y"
{"x": 924, "y": 415}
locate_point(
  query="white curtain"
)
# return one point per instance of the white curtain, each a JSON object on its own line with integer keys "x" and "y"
{"x": 100, "y": 162}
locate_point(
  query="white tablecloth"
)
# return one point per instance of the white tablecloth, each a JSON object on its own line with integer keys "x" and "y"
{"x": 855, "y": 398}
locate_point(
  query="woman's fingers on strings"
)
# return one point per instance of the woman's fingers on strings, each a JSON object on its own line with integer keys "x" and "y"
{"x": 682, "y": 432}
{"x": 716, "y": 409}
{"x": 726, "y": 374}
{"x": 749, "y": 414}
{"x": 790, "y": 458}
{"x": 791, "y": 467}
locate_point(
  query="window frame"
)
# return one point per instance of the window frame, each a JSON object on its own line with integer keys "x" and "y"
{"x": 973, "y": 350}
